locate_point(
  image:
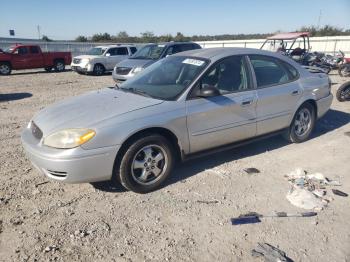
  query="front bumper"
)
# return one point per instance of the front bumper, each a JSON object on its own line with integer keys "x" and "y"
{"x": 323, "y": 105}
{"x": 121, "y": 78}
{"x": 76, "y": 165}
{"x": 82, "y": 68}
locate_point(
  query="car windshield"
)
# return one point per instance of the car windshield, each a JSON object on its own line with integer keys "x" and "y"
{"x": 167, "y": 78}
{"x": 9, "y": 50}
{"x": 149, "y": 52}
{"x": 96, "y": 51}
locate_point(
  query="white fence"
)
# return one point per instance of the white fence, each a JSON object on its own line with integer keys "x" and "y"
{"x": 329, "y": 45}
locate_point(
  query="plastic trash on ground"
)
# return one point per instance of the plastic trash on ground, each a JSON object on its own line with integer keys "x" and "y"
{"x": 309, "y": 190}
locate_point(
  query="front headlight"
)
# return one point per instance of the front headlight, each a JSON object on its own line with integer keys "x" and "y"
{"x": 137, "y": 70}
{"x": 69, "y": 138}
{"x": 85, "y": 60}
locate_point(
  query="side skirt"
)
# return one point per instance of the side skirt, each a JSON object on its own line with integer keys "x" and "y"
{"x": 229, "y": 146}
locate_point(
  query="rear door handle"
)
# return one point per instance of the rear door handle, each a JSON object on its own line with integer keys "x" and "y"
{"x": 247, "y": 102}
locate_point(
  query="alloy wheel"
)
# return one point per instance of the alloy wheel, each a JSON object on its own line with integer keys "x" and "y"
{"x": 302, "y": 123}
{"x": 149, "y": 164}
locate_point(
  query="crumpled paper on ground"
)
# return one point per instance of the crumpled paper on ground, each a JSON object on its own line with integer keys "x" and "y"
{"x": 309, "y": 190}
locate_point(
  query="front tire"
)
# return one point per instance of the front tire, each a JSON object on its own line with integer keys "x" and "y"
{"x": 343, "y": 92}
{"x": 302, "y": 125}
{"x": 146, "y": 164}
{"x": 98, "y": 70}
{"x": 5, "y": 68}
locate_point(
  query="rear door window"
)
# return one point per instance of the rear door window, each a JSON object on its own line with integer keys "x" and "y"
{"x": 269, "y": 71}
{"x": 133, "y": 50}
{"x": 186, "y": 47}
{"x": 122, "y": 51}
{"x": 34, "y": 50}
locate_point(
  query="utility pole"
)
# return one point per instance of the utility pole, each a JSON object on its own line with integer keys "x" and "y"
{"x": 319, "y": 19}
{"x": 38, "y": 27}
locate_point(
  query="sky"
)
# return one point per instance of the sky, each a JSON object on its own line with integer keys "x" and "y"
{"x": 66, "y": 19}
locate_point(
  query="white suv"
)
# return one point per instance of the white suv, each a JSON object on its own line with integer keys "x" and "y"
{"x": 100, "y": 59}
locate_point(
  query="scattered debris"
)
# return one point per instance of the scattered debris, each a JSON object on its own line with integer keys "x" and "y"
{"x": 253, "y": 217}
{"x": 270, "y": 253}
{"x": 107, "y": 227}
{"x": 251, "y": 170}
{"x": 42, "y": 183}
{"x": 339, "y": 193}
{"x": 305, "y": 199}
{"x": 242, "y": 220}
{"x": 16, "y": 221}
{"x": 4, "y": 200}
{"x": 50, "y": 248}
{"x": 309, "y": 190}
{"x": 208, "y": 201}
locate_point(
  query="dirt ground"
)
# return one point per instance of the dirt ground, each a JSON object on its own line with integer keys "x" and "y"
{"x": 189, "y": 218}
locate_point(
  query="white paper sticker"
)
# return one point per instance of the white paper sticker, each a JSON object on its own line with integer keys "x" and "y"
{"x": 193, "y": 62}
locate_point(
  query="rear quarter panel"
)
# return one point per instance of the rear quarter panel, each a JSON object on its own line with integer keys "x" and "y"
{"x": 50, "y": 57}
{"x": 315, "y": 87}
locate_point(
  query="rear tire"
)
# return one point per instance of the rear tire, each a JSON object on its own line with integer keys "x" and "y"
{"x": 99, "y": 70}
{"x": 5, "y": 68}
{"x": 48, "y": 69}
{"x": 146, "y": 164}
{"x": 302, "y": 125}
{"x": 343, "y": 92}
{"x": 59, "y": 66}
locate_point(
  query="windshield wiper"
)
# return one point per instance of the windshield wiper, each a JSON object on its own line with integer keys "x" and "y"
{"x": 135, "y": 91}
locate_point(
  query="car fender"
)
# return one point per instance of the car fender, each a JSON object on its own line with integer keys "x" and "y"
{"x": 117, "y": 130}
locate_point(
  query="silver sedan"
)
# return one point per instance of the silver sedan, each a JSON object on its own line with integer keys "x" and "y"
{"x": 182, "y": 105}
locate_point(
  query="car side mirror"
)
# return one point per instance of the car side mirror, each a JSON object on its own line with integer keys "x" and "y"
{"x": 108, "y": 54}
{"x": 208, "y": 91}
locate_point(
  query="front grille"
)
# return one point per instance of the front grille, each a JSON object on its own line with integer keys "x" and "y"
{"x": 76, "y": 60}
{"x": 36, "y": 131}
{"x": 123, "y": 70}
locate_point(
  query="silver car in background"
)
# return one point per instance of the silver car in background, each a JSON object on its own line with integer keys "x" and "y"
{"x": 148, "y": 55}
{"x": 179, "y": 106}
{"x": 101, "y": 59}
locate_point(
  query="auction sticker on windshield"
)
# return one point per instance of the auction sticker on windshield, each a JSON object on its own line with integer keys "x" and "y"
{"x": 191, "y": 61}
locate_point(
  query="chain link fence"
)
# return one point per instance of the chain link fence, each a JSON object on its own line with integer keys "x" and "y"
{"x": 329, "y": 45}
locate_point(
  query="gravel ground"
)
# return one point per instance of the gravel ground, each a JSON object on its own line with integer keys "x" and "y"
{"x": 189, "y": 218}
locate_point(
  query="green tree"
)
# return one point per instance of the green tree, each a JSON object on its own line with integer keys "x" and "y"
{"x": 46, "y": 38}
{"x": 81, "y": 38}
{"x": 147, "y": 37}
{"x": 101, "y": 37}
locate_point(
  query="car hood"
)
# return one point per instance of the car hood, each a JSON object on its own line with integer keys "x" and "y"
{"x": 87, "y": 56}
{"x": 85, "y": 111}
{"x": 132, "y": 63}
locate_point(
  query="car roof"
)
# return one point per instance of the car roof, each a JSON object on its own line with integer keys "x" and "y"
{"x": 217, "y": 53}
{"x": 172, "y": 43}
{"x": 288, "y": 36}
{"x": 109, "y": 46}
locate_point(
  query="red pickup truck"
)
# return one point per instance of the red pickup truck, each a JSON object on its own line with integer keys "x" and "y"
{"x": 30, "y": 56}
